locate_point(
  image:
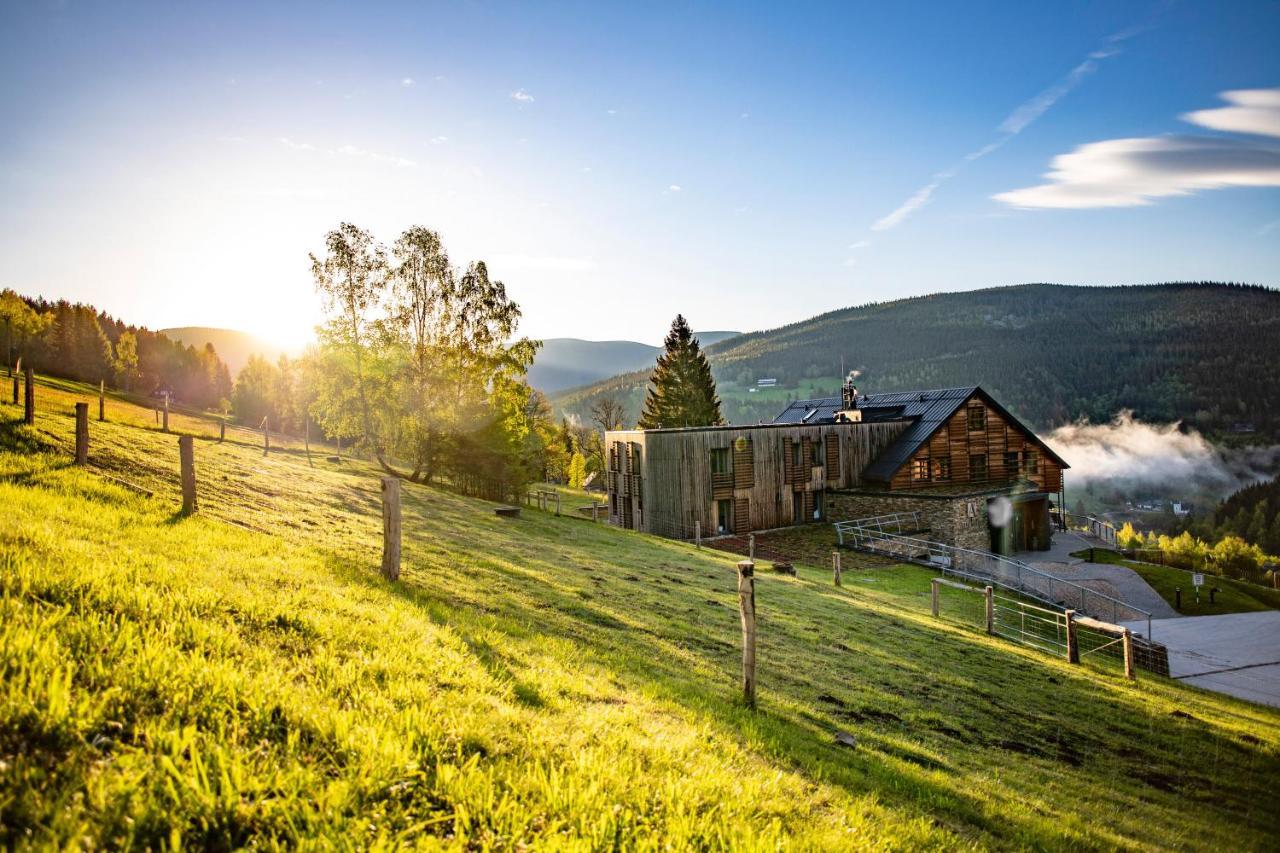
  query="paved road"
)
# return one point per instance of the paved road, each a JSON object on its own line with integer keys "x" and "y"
{"x": 1124, "y": 584}
{"x": 1237, "y": 654}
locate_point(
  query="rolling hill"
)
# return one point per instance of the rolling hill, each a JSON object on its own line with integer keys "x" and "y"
{"x": 1203, "y": 353}
{"x": 244, "y": 678}
{"x": 233, "y": 347}
{"x": 570, "y": 362}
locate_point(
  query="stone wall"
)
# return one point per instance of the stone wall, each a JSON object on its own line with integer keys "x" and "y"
{"x": 960, "y": 521}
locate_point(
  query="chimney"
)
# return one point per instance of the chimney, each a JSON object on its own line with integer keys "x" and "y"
{"x": 849, "y": 401}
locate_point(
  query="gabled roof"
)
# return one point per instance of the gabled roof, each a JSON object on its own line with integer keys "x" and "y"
{"x": 928, "y": 410}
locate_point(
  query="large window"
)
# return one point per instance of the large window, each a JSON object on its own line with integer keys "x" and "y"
{"x": 724, "y": 516}
{"x": 1011, "y": 463}
{"x": 977, "y": 419}
{"x": 978, "y": 466}
{"x": 1030, "y": 461}
{"x": 720, "y": 460}
{"x": 920, "y": 470}
{"x": 818, "y": 506}
{"x": 815, "y": 452}
{"x": 795, "y": 453}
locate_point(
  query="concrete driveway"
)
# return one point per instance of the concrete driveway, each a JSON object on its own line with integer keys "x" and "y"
{"x": 1237, "y": 654}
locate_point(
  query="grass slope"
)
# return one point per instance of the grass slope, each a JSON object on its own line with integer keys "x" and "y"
{"x": 1233, "y": 597}
{"x": 244, "y": 677}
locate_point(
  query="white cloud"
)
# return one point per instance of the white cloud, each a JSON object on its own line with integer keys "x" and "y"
{"x": 544, "y": 263}
{"x": 522, "y": 96}
{"x": 1031, "y": 110}
{"x": 439, "y": 140}
{"x": 1135, "y": 171}
{"x": 675, "y": 188}
{"x": 1256, "y": 111}
{"x": 1131, "y": 172}
{"x": 859, "y": 244}
{"x": 612, "y": 112}
{"x": 850, "y": 261}
{"x": 296, "y": 146}
{"x": 407, "y": 81}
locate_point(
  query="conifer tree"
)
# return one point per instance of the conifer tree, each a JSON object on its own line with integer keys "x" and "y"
{"x": 682, "y": 392}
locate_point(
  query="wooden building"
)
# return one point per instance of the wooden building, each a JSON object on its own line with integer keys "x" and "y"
{"x": 948, "y": 453}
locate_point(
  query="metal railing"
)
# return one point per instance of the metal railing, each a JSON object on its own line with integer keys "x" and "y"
{"x": 984, "y": 566}
{"x": 896, "y": 523}
{"x": 1087, "y": 524}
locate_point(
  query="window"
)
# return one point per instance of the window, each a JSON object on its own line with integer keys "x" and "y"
{"x": 942, "y": 468}
{"x": 1011, "y": 463}
{"x": 920, "y": 469}
{"x": 977, "y": 419}
{"x": 817, "y": 506}
{"x": 720, "y": 460}
{"x": 815, "y": 452}
{"x": 1030, "y": 461}
{"x": 978, "y": 466}
{"x": 724, "y": 516}
{"x": 795, "y": 453}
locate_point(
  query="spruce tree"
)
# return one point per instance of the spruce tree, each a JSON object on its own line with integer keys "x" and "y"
{"x": 682, "y": 392}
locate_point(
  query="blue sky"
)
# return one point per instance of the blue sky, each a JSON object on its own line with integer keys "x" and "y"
{"x": 746, "y": 166}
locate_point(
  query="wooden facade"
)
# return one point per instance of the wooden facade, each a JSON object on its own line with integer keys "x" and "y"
{"x": 735, "y": 479}
{"x": 979, "y": 446}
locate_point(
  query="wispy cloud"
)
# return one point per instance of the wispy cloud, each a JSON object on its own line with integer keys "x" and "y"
{"x": 1016, "y": 122}
{"x": 406, "y": 81}
{"x": 675, "y": 188}
{"x": 522, "y": 96}
{"x": 1135, "y": 171}
{"x": 439, "y": 140}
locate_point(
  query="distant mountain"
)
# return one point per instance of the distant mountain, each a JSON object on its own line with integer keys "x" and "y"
{"x": 1202, "y": 353}
{"x": 232, "y": 347}
{"x": 570, "y": 362}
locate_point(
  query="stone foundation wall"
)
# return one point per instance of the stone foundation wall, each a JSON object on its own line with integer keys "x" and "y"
{"x": 958, "y": 521}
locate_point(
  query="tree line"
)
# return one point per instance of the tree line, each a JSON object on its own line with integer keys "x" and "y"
{"x": 76, "y": 341}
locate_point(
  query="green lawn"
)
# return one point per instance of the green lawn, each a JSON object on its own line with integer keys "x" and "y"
{"x": 1233, "y": 596}
{"x": 245, "y": 677}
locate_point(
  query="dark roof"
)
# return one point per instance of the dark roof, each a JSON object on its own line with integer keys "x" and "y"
{"x": 927, "y": 409}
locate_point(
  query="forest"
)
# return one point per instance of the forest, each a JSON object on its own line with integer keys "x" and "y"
{"x": 77, "y": 341}
{"x": 1201, "y": 352}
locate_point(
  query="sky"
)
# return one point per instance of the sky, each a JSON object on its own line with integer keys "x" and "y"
{"x": 615, "y": 164}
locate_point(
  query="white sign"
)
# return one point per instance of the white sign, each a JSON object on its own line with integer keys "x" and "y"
{"x": 1197, "y": 579}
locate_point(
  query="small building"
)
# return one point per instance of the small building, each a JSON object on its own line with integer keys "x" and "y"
{"x": 946, "y": 454}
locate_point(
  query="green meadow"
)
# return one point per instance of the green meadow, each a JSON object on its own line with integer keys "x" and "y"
{"x": 245, "y": 678}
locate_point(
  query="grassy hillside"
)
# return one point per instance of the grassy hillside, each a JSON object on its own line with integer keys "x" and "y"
{"x": 232, "y": 347}
{"x": 245, "y": 677}
{"x": 1202, "y": 353}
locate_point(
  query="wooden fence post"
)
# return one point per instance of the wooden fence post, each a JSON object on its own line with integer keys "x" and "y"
{"x": 697, "y": 533}
{"x": 102, "y": 399}
{"x": 933, "y": 592}
{"x": 222, "y": 431}
{"x": 166, "y": 412}
{"x": 29, "y": 399}
{"x": 595, "y": 510}
{"x": 1128, "y": 654}
{"x": 391, "y": 528}
{"x": 1073, "y": 650}
{"x": 187, "y": 458}
{"x": 15, "y": 389}
{"x": 747, "y": 608}
{"x": 557, "y": 504}
{"x": 156, "y": 411}
{"x": 990, "y": 595}
{"x": 306, "y": 437}
{"x": 751, "y": 546}
{"x": 835, "y": 567}
{"x": 266, "y": 437}
{"x": 82, "y": 433}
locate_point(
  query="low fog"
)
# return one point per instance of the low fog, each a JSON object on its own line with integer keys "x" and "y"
{"x": 1128, "y": 453}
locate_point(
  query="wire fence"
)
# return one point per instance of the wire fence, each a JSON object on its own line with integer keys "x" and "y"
{"x": 1060, "y": 633}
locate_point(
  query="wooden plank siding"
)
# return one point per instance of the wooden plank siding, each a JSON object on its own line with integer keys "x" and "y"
{"x": 676, "y": 488}
{"x": 956, "y": 443}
